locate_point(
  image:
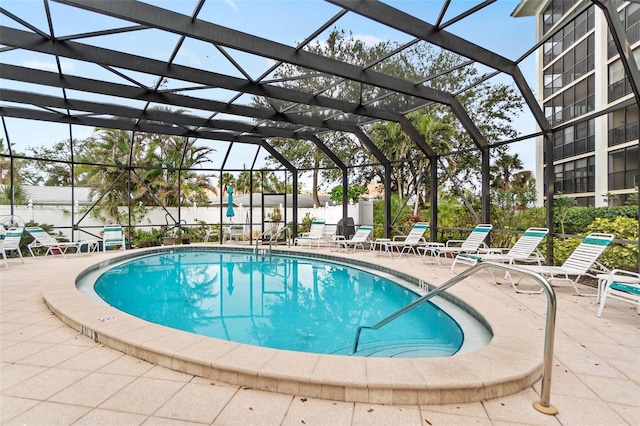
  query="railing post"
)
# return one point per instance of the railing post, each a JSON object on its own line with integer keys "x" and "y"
{"x": 543, "y": 405}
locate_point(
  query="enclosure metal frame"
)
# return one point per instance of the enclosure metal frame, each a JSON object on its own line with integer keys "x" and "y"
{"x": 272, "y": 123}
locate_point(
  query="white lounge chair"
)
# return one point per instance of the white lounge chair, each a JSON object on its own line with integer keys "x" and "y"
{"x": 473, "y": 244}
{"x": 113, "y": 236}
{"x": 359, "y": 239}
{"x": 523, "y": 251}
{"x": 329, "y": 235}
{"x": 407, "y": 243}
{"x": 315, "y": 235}
{"x": 621, "y": 285}
{"x": 42, "y": 239}
{"x": 579, "y": 264}
{"x": 11, "y": 241}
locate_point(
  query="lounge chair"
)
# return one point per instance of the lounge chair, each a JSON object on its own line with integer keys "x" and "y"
{"x": 359, "y": 239}
{"x": 11, "y": 241}
{"x": 329, "y": 235}
{"x": 523, "y": 251}
{"x": 473, "y": 244}
{"x": 113, "y": 236}
{"x": 621, "y": 285}
{"x": 315, "y": 235}
{"x": 406, "y": 243}
{"x": 42, "y": 239}
{"x": 579, "y": 264}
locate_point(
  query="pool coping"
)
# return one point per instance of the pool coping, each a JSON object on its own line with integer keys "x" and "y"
{"x": 512, "y": 360}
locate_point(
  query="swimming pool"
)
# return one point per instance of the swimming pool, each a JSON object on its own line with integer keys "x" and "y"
{"x": 282, "y": 302}
{"x": 507, "y": 359}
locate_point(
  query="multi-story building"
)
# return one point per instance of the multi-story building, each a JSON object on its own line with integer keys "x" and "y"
{"x": 579, "y": 72}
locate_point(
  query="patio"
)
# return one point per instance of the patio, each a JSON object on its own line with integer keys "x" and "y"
{"x": 52, "y": 374}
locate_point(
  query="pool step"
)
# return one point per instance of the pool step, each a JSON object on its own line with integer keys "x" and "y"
{"x": 399, "y": 349}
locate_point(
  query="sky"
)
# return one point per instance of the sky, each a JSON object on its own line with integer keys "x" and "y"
{"x": 283, "y": 21}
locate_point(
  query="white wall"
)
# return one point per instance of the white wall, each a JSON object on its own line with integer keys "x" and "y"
{"x": 60, "y": 216}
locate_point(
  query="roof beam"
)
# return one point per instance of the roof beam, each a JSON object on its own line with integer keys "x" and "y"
{"x": 161, "y": 129}
{"x": 409, "y": 24}
{"x": 16, "y": 73}
{"x": 180, "y": 119}
{"x": 167, "y": 20}
{"x": 83, "y": 52}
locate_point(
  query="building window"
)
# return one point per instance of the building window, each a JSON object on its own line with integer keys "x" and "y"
{"x": 574, "y": 140}
{"x": 623, "y": 125}
{"x": 619, "y": 85}
{"x": 623, "y": 168}
{"x": 554, "y": 11}
{"x": 574, "y": 101}
{"x": 586, "y": 201}
{"x": 630, "y": 17}
{"x": 573, "y": 65}
{"x": 575, "y": 176}
{"x": 568, "y": 35}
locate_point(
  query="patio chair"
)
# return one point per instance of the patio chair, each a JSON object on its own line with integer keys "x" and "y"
{"x": 42, "y": 239}
{"x": 359, "y": 239}
{"x": 621, "y": 285}
{"x": 524, "y": 251}
{"x": 579, "y": 264}
{"x": 329, "y": 235}
{"x": 408, "y": 243}
{"x": 11, "y": 241}
{"x": 315, "y": 235}
{"x": 233, "y": 232}
{"x": 113, "y": 236}
{"x": 473, "y": 244}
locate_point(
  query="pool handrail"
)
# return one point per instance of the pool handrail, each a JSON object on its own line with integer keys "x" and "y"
{"x": 543, "y": 405}
{"x": 274, "y": 237}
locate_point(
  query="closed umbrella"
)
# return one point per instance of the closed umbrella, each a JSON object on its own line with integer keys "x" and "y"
{"x": 230, "y": 212}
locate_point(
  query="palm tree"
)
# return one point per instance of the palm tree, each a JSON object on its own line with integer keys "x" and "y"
{"x": 109, "y": 147}
{"x": 437, "y": 135}
{"x": 176, "y": 160}
{"x": 504, "y": 169}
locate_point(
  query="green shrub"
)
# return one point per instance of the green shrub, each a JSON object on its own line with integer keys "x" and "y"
{"x": 577, "y": 219}
{"x": 305, "y": 226}
{"x": 623, "y": 256}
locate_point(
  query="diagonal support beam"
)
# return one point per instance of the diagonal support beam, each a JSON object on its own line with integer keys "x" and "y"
{"x": 83, "y": 52}
{"x": 409, "y": 24}
{"x": 167, "y": 20}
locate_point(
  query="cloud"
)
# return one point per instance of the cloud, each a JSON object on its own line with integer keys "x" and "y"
{"x": 50, "y": 66}
{"x": 369, "y": 40}
{"x": 232, "y": 4}
{"x": 39, "y": 65}
{"x": 189, "y": 57}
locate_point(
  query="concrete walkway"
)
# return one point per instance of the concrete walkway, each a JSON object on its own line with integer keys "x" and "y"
{"x": 51, "y": 374}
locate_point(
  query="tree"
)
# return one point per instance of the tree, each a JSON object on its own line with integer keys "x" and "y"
{"x": 245, "y": 184}
{"x": 492, "y": 106}
{"x": 175, "y": 159}
{"x": 161, "y": 167}
{"x": 57, "y": 171}
{"x": 304, "y": 154}
{"x": 353, "y": 193}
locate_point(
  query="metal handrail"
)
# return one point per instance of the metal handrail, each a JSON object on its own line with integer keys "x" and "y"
{"x": 543, "y": 405}
{"x": 274, "y": 237}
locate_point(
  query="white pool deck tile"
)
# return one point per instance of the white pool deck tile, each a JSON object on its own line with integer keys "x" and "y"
{"x": 52, "y": 374}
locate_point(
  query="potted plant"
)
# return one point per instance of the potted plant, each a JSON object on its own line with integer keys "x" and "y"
{"x": 185, "y": 235}
{"x": 275, "y": 215}
{"x": 169, "y": 238}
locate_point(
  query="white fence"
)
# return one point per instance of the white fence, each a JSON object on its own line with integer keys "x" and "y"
{"x": 61, "y": 218}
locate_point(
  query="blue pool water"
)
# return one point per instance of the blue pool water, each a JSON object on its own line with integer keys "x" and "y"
{"x": 280, "y": 302}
